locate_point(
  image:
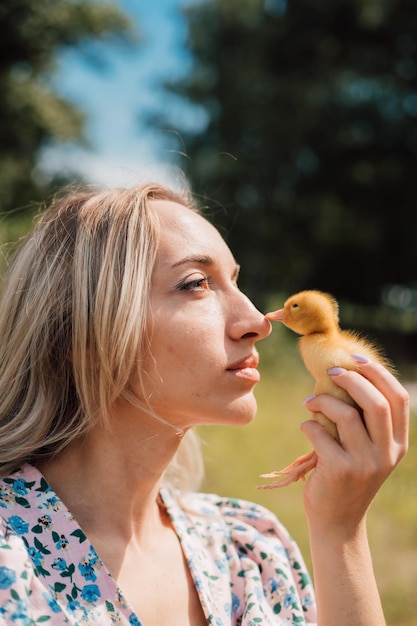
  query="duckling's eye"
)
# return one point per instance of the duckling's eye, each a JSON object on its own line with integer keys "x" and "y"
{"x": 295, "y": 305}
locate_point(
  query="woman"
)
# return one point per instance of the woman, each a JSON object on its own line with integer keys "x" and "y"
{"x": 122, "y": 327}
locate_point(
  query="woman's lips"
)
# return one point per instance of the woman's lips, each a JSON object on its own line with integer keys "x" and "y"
{"x": 248, "y": 373}
{"x": 246, "y": 368}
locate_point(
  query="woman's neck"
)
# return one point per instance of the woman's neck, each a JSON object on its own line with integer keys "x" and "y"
{"x": 110, "y": 480}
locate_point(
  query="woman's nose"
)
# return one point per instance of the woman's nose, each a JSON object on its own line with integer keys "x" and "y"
{"x": 247, "y": 321}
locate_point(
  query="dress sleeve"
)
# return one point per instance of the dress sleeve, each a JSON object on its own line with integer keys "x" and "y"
{"x": 22, "y": 598}
{"x": 270, "y": 557}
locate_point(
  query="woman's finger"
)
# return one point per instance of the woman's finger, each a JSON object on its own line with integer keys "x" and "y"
{"x": 383, "y": 400}
{"x": 375, "y": 408}
{"x": 396, "y": 394}
{"x": 351, "y": 429}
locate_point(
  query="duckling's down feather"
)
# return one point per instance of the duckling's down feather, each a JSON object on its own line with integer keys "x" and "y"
{"x": 323, "y": 344}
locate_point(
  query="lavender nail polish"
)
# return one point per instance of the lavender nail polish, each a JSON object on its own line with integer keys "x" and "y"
{"x": 335, "y": 371}
{"x": 307, "y": 400}
{"x": 360, "y": 359}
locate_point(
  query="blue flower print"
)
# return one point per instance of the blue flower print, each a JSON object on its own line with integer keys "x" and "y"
{"x": 19, "y": 487}
{"x": 18, "y": 524}
{"x": 61, "y": 541}
{"x": 221, "y": 565}
{"x": 232, "y": 608}
{"x": 87, "y": 570}
{"x": 90, "y": 593}
{"x": 59, "y": 564}
{"x": 7, "y": 577}
{"x": 6, "y": 496}
{"x": 255, "y": 570}
{"x": 53, "y": 604}
{"x": 73, "y": 606}
{"x": 309, "y": 600}
{"x": 52, "y": 503}
{"x": 19, "y": 614}
{"x": 235, "y": 603}
{"x": 36, "y": 556}
{"x": 289, "y": 599}
{"x": 89, "y": 565}
{"x": 45, "y": 521}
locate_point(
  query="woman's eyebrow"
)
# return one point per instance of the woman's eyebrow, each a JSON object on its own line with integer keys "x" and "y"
{"x": 201, "y": 260}
{"x": 205, "y": 260}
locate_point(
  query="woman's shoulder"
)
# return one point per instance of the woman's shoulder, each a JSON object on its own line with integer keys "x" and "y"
{"x": 234, "y": 514}
{"x": 249, "y": 541}
{"x": 215, "y": 504}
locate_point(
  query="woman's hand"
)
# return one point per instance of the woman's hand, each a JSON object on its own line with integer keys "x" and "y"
{"x": 348, "y": 475}
{"x": 340, "y": 489}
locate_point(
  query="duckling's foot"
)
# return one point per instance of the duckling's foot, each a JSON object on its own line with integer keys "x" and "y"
{"x": 298, "y": 469}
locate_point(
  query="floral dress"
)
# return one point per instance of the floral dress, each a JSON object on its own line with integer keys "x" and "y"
{"x": 245, "y": 567}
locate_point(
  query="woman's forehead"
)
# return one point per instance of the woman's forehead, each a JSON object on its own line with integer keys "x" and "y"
{"x": 183, "y": 232}
{"x": 175, "y": 216}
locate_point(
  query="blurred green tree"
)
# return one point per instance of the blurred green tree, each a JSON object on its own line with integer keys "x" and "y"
{"x": 32, "y": 114}
{"x": 308, "y": 151}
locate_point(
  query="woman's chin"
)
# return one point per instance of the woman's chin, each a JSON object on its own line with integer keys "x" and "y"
{"x": 239, "y": 412}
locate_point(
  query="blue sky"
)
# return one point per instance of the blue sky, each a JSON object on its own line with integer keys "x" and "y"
{"x": 118, "y": 97}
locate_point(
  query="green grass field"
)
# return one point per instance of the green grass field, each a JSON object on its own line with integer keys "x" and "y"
{"x": 236, "y": 456}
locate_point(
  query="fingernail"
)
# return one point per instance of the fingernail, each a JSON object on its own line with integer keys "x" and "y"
{"x": 306, "y": 400}
{"x": 360, "y": 359}
{"x": 335, "y": 371}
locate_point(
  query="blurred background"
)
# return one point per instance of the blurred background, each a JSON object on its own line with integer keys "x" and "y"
{"x": 295, "y": 123}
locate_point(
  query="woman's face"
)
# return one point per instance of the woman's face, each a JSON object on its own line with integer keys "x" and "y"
{"x": 201, "y": 365}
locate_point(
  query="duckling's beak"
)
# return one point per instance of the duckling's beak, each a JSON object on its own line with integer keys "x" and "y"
{"x": 276, "y": 316}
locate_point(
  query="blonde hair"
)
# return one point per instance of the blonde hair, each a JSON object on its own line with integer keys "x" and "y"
{"x": 73, "y": 317}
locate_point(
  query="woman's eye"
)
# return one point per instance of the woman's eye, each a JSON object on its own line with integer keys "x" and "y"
{"x": 198, "y": 284}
